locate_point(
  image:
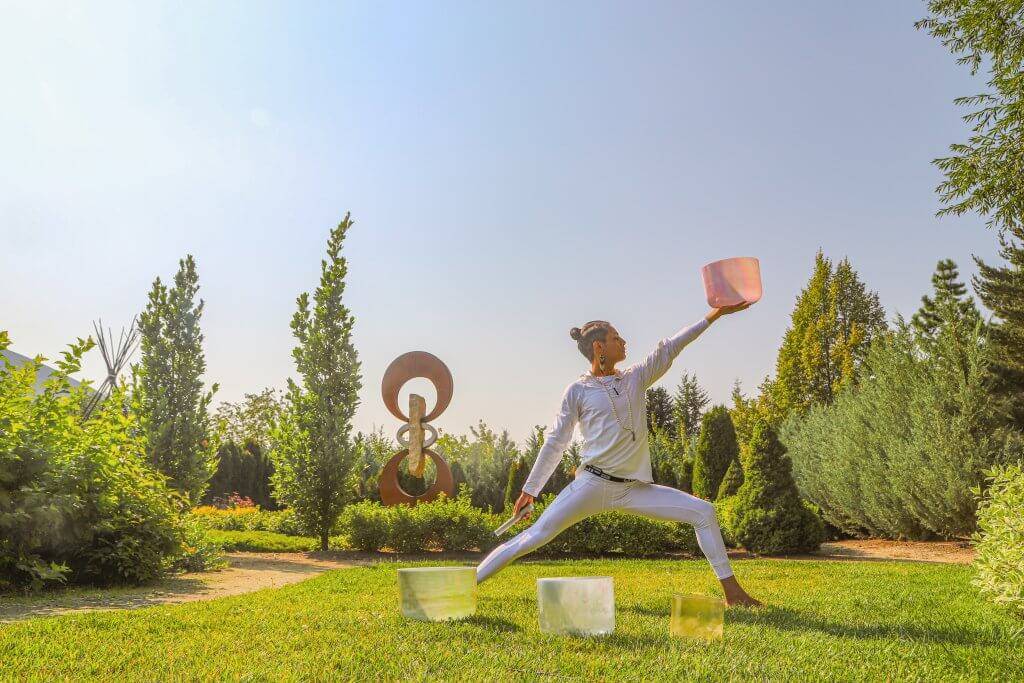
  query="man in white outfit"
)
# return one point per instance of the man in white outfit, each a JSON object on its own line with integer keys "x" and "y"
{"x": 615, "y": 468}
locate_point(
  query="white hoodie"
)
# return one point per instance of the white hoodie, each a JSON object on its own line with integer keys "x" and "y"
{"x": 608, "y": 446}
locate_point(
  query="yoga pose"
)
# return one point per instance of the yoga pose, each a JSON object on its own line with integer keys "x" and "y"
{"x": 615, "y": 469}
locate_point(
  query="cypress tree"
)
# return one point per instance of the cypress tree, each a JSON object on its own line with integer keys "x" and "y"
{"x": 732, "y": 481}
{"x": 716, "y": 448}
{"x": 690, "y": 401}
{"x": 950, "y": 305}
{"x": 768, "y": 515}
{"x": 660, "y": 410}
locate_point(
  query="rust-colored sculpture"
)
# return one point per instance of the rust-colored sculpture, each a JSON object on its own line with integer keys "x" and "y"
{"x": 408, "y": 366}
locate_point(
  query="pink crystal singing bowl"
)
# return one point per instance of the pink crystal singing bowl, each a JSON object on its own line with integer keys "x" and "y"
{"x": 732, "y": 281}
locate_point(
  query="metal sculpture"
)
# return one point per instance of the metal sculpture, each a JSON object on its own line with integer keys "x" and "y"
{"x": 409, "y": 366}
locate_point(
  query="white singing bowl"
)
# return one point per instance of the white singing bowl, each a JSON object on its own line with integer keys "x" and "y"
{"x": 578, "y": 605}
{"x": 437, "y": 593}
{"x": 732, "y": 281}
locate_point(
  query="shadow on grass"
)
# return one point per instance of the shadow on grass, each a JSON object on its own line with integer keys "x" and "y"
{"x": 493, "y": 623}
{"x": 787, "y": 619}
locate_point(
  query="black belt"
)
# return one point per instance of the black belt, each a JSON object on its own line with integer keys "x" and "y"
{"x": 604, "y": 475}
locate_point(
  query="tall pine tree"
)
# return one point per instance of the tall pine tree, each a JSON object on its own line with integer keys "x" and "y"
{"x": 660, "y": 410}
{"x": 832, "y": 325}
{"x": 950, "y": 304}
{"x": 168, "y": 380}
{"x": 983, "y": 175}
{"x": 314, "y": 457}
{"x": 690, "y": 401}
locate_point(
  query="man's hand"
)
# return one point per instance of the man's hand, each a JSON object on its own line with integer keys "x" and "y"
{"x": 716, "y": 313}
{"x": 524, "y": 500}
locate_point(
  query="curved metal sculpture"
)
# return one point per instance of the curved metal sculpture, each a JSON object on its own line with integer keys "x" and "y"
{"x": 409, "y": 366}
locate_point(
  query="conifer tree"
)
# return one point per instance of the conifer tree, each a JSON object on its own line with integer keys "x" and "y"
{"x": 660, "y": 410}
{"x": 716, "y": 448}
{"x": 732, "y": 481}
{"x": 690, "y": 401}
{"x": 950, "y": 305}
{"x": 832, "y": 325}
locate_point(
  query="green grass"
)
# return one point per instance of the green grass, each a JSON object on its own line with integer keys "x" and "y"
{"x": 262, "y": 541}
{"x": 827, "y": 620}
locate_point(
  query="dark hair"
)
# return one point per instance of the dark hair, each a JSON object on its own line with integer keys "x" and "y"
{"x": 595, "y": 330}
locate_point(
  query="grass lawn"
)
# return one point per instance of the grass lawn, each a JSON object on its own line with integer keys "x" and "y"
{"x": 827, "y": 620}
{"x": 262, "y": 541}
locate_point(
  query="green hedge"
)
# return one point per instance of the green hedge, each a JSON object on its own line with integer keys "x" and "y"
{"x": 261, "y": 541}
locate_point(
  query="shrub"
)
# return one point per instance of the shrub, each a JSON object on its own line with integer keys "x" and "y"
{"x": 899, "y": 454}
{"x": 716, "y": 448}
{"x": 199, "y": 552}
{"x": 77, "y": 499}
{"x": 999, "y": 541}
{"x": 768, "y": 515}
{"x": 367, "y": 524}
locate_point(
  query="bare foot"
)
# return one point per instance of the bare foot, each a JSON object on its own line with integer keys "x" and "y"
{"x": 743, "y": 600}
{"x": 735, "y": 595}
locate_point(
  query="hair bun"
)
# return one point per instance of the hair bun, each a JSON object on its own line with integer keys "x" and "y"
{"x": 575, "y": 333}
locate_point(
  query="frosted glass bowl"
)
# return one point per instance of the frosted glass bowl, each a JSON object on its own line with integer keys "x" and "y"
{"x": 437, "y": 593}
{"x": 732, "y": 281}
{"x": 697, "y": 616}
{"x": 579, "y": 605}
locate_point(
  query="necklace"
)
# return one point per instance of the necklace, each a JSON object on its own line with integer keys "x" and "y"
{"x": 632, "y": 428}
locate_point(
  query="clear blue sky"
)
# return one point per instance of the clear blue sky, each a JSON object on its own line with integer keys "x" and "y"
{"x": 519, "y": 168}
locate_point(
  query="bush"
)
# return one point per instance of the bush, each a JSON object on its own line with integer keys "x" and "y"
{"x": 898, "y": 455}
{"x": 200, "y": 552}
{"x": 999, "y": 541}
{"x": 367, "y": 525}
{"x": 78, "y": 501}
{"x": 767, "y": 515}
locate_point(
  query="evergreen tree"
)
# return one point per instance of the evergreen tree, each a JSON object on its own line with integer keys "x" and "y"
{"x": 660, "y": 410}
{"x": 732, "y": 481}
{"x": 832, "y": 325}
{"x": 743, "y": 412}
{"x": 314, "y": 458}
{"x": 984, "y": 173}
{"x": 716, "y": 448}
{"x": 517, "y": 473}
{"x": 171, "y": 403}
{"x": 768, "y": 515}
{"x": 690, "y": 401}
{"x": 950, "y": 305}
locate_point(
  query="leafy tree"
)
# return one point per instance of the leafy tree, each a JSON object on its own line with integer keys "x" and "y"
{"x": 984, "y": 173}
{"x": 768, "y": 515}
{"x": 690, "y": 401}
{"x": 716, "y": 448}
{"x": 484, "y": 461}
{"x": 172, "y": 405}
{"x": 832, "y": 325}
{"x": 251, "y": 419}
{"x": 660, "y": 410}
{"x": 314, "y": 457}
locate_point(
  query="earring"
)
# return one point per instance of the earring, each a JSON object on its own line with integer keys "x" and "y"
{"x": 601, "y": 362}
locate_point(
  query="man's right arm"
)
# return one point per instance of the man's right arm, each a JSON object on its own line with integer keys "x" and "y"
{"x": 555, "y": 442}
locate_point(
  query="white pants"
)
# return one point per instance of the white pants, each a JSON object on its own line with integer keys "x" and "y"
{"x": 589, "y": 494}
